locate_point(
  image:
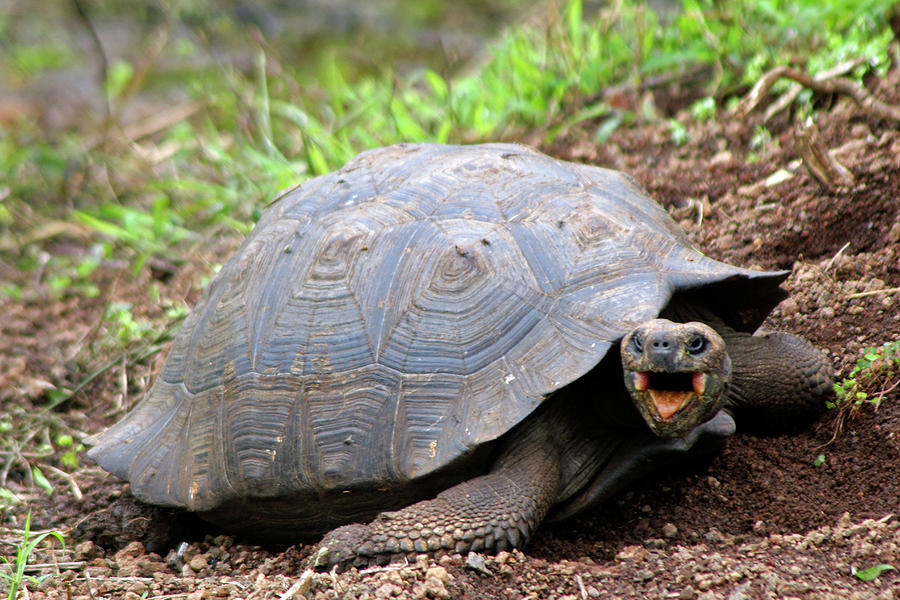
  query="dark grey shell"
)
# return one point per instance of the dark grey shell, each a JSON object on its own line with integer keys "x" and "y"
{"x": 385, "y": 320}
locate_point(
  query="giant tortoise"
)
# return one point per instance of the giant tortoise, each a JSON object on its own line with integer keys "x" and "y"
{"x": 427, "y": 331}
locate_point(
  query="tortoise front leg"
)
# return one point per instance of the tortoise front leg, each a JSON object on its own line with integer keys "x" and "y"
{"x": 489, "y": 513}
{"x": 779, "y": 381}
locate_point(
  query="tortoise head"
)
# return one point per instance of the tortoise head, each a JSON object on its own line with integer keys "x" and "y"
{"x": 676, "y": 373}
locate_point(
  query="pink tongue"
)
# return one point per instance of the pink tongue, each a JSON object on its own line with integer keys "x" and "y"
{"x": 667, "y": 402}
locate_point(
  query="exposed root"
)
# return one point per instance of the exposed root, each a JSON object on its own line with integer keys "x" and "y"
{"x": 823, "y": 85}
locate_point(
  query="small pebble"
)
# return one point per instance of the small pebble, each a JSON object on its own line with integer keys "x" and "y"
{"x": 198, "y": 562}
{"x": 86, "y": 550}
{"x": 475, "y": 562}
{"x": 669, "y": 530}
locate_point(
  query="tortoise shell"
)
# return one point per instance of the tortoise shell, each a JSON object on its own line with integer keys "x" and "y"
{"x": 383, "y": 322}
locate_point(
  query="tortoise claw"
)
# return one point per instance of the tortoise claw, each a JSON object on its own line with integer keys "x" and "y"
{"x": 343, "y": 547}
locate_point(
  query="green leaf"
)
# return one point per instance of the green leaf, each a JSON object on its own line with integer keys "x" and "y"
{"x": 317, "y": 162}
{"x": 41, "y": 481}
{"x": 119, "y": 74}
{"x": 574, "y": 26}
{"x": 70, "y": 459}
{"x": 437, "y": 84}
{"x": 8, "y": 497}
{"x": 870, "y": 573}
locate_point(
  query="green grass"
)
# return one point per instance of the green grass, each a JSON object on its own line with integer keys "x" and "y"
{"x": 264, "y": 129}
{"x": 15, "y": 577}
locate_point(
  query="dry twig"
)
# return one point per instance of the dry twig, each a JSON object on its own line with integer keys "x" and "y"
{"x": 895, "y": 290}
{"x": 819, "y": 161}
{"x": 829, "y": 85}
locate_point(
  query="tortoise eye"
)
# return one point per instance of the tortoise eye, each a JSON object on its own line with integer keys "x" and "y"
{"x": 697, "y": 344}
{"x": 637, "y": 343}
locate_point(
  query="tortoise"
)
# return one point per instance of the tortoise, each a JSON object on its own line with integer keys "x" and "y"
{"x": 413, "y": 354}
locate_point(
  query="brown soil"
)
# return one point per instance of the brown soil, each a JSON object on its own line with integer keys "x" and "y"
{"x": 763, "y": 519}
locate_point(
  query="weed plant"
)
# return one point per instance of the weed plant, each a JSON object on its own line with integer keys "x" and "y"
{"x": 271, "y": 126}
{"x": 15, "y": 577}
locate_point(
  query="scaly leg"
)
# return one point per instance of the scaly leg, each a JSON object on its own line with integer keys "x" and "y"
{"x": 489, "y": 513}
{"x": 779, "y": 380}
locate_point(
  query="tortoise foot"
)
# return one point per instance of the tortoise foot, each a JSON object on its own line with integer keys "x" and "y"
{"x": 345, "y": 547}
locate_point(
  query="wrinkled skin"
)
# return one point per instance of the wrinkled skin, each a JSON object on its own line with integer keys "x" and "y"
{"x": 676, "y": 374}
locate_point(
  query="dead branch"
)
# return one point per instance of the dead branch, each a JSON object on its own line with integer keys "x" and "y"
{"x": 818, "y": 161}
{"x": 829, "y": 85}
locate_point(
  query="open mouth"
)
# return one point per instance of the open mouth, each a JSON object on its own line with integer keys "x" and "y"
{"x": 670, "y": 392}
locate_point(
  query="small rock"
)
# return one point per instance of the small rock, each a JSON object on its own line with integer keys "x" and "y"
{"x": 386, "y": 590}
{"x": 724, "y": 242}
{"x": 722, "y": 158}
{"x": 132, "y": 550}
{"x": 893, "y": 235}
{"x": 450, "y": 559}
{"x": 687, "y": 593}
{"x": 394, "y": 577}
{"x": 632, "y": 553}
{"x": 87, "y": 550}
{"x": 643, "y": 575}
{"x": 714, "y": 536}
{"x": 740, "y": 592}
{"x": 703, "y": 582}
{"x": 152, "y": 564}
{"x": 475, "y": 562}
{"x": 138, "y": 587}
{"x": 713, "y": 482}
{"x": 439, "y": 573}
{"x": 669, "y": 530}
{"x": 422, "y": 562}
{"x": 789, "y": 307}
{"x": 655, "y": 544}
{"x": 860, "y": 131}
{"x": 198, "y": 562}
{"x": 99, "y": 572}
{"x": 432, "y": 587}
{"x": 224, "y": 590}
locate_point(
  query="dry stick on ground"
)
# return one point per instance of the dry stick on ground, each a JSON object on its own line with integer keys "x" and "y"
{"x": 818, "y": 160}
{"x": 788, "y": 97}
{"x": 832, "y": 85}
{"x": 895, "y": 290}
